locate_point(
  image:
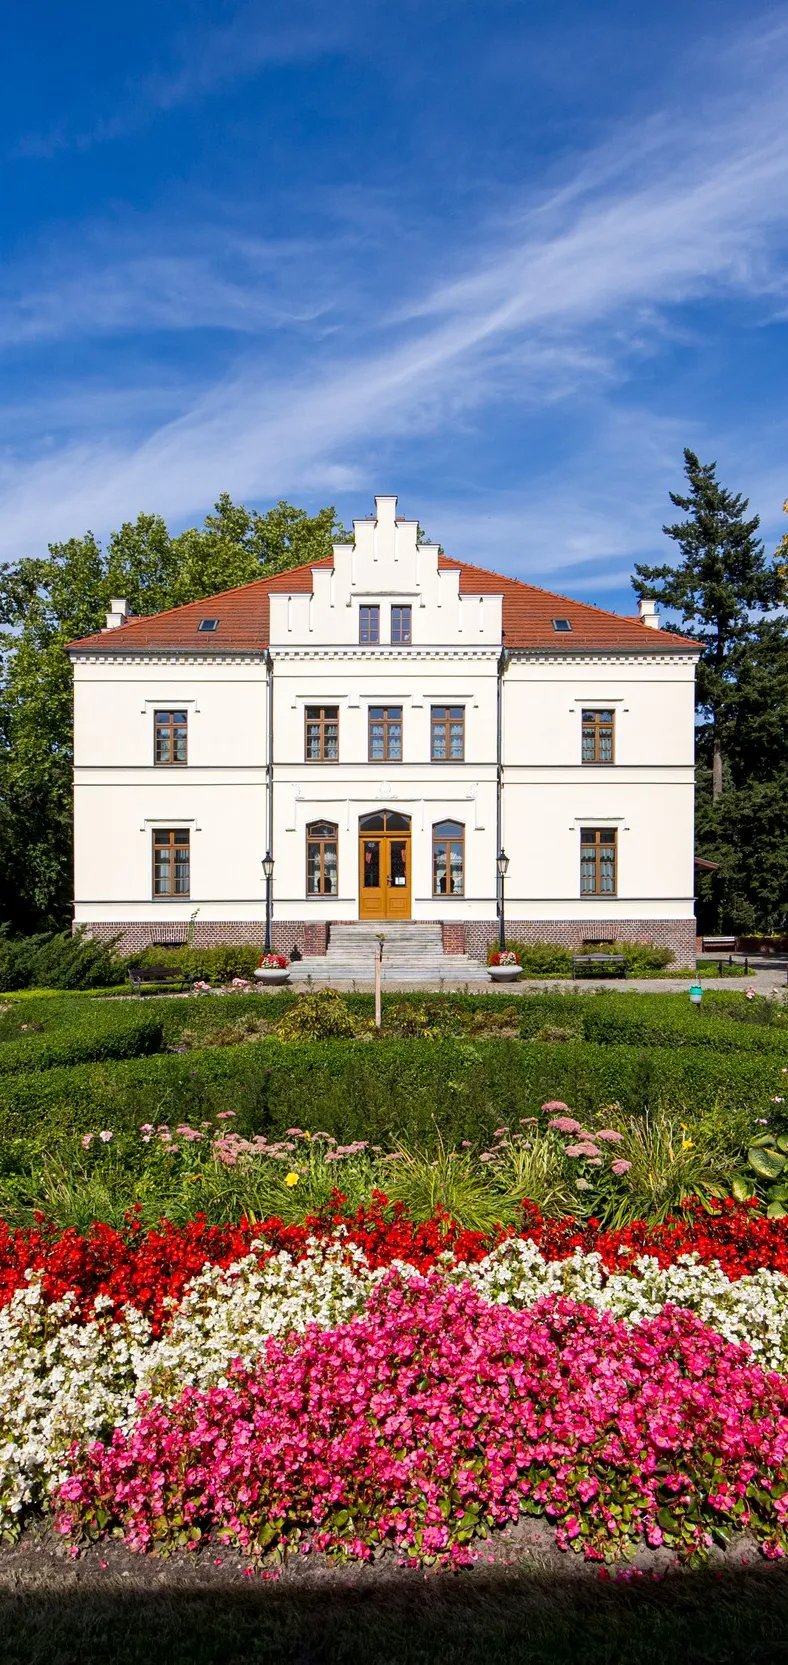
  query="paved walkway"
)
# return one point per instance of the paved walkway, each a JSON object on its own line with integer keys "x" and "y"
{"x": 765, "y": 980}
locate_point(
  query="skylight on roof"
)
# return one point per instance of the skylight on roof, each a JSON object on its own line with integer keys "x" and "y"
{"x": 207, "y": 624}
{"x": 562, "y": 624}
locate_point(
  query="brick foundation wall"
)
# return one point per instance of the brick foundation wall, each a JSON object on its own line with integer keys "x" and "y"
{"x": 453, "y": 937}
{"x": 308, "y": 936}
{"x": 474, "y": 937}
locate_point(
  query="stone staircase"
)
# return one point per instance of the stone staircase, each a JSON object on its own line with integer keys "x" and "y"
{"x": 412, "y": 953}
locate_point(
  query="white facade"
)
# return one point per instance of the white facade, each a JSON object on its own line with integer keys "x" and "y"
{"x": 490, "y": 653}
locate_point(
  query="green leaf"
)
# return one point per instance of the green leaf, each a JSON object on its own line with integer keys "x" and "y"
{"x": 767, "y": 1164}
{"x": 775, "y": 1211}
{"x": 741, "y": 1187}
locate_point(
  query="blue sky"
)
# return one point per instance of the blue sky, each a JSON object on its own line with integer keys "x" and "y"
{"x": 504, "y": 259}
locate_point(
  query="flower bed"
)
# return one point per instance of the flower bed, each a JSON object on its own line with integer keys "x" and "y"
{"x": 244, "y": 1328}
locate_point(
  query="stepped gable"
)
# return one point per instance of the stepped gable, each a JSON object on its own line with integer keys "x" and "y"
{"x": 243, "y": 615}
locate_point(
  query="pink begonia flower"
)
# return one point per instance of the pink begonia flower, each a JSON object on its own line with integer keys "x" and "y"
{"x": 565, "y": 1124}
{"x": 582, "y": 1150}
{"x": 621, "y": 1166}
{"x": 86, "y": 1141}
{"x": 293, "y": 1132}
{"x": 225, "y": 1115}
{"x": 555, "y": 1104}
{"x": 146, "y": 1127}
{"x": 609, "y": 1134}
{"x": 105, "y": 1137}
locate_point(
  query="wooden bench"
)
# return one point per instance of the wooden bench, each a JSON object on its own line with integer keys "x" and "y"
{"x": 599, "y": 962}
{"x": 158, "y": 977}
{"x": 717, "y": 948}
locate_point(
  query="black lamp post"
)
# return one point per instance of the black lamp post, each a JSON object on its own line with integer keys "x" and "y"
{"x": 268, "y": 870}
{"x": 502, "y": 861}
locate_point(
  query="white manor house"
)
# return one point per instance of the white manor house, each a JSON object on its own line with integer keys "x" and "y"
{"x": 383, "y": 723}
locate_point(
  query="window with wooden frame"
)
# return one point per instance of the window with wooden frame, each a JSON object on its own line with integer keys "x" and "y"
{"x": 171, "y": 864}
{"x": 169, "y": 737}
{"x": 401, "y": 622}
{"x": 448, "y": 733}
{"x": 321, "y": 740}
{"x": 448, "y": 858}
{"x": 598, "y": 736}
{"x": 385, "y": 734}
{"x": 322, "y": 871}
{"x": 598, "y": 846}
{"x": 369, "y": 624}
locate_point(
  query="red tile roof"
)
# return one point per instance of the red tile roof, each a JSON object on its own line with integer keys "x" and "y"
{"x": 243, "y": 616}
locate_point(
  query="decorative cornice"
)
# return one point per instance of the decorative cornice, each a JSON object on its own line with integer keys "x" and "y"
{"x": 167, "y": 656}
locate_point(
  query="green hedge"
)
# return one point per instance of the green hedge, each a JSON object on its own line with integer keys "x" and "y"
{"x": 549, "y": 959}
{"x": 381, "y": 1089}
{"x": 651, "y": 1020}
{"x": 97, "y": 1034}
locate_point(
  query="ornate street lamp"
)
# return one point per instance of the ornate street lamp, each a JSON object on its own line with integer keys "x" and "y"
{"x": 502, "y": 862}
{"x": 268, "y": 870}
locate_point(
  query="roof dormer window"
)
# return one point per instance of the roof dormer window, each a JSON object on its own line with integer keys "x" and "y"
{"x": 561, "y": 625}
{"x": 208, "y": 624}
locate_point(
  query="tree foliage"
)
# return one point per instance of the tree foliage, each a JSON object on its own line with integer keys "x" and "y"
{"x": 731, "y": 595}
{"x": 47, "y": 601}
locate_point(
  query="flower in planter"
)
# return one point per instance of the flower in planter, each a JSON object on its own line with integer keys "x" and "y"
{"x": 272, "y": 962}
{"x": 504, "y": 956}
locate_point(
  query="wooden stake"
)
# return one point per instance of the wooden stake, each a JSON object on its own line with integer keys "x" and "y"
{"x": 378, "y": 961}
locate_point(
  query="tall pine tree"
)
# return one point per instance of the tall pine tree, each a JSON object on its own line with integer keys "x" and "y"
{"x": 723, "y": 578}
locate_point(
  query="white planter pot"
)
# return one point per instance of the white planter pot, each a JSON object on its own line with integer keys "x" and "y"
{"x": 504, "y": 973}
{"x": 270, "y": 975}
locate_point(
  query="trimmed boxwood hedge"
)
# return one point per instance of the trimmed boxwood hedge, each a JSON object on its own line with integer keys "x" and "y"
{"x": 381, "y": 1089}
{"x": 651, "y": 1020}
{"x": 97, "y": 1033}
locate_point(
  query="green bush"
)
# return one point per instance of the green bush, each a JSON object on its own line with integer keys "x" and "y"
{"x": 385, "y": 1089}
{"x": 58, "y": 960}
{"x": 208, "y": 965}
{"x": 548, "y": 959}
{"x": 100, "y": 1033}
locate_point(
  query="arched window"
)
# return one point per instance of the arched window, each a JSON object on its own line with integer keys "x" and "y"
{"x": 448, "y": 858}
{"x": 321, "y": 859}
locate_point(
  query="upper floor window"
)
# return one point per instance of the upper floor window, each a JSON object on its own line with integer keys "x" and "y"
{"x": 169, "y": 736}
{"x": 598, "y": 727}
{"x": 562, "y": 625}
{"x": 401, "y": 618}
{"x": 369, "y": 624}
{"x": 598, "y": 861}
{"x": 321, "y": 859}
{"x": 385, "y": 734}
{"x": 171, "y": 862}
{"x": 208, "y": 624}
{"x": 322, "y": 734}
{"x": 448, "y": 858}
{"x": 448, "y": 733}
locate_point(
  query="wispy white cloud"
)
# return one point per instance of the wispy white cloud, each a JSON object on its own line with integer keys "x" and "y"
{"x": 568, "y": 292}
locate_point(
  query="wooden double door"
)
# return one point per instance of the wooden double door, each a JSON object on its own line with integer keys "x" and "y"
{"x": 384, "y": 865}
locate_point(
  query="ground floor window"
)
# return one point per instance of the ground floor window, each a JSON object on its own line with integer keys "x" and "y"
{"x": 321, "y": 859}
{"x": 448, "y": 859}
{"x": 171, "y": 864}
{"x": 597, "y": 861}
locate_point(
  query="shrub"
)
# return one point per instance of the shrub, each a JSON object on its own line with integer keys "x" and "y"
{"x": 58, "y": 960}
{"x": 549, "y": 959}
{"x": 208, "y": 965}
{"x": 317, "y": 1017}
